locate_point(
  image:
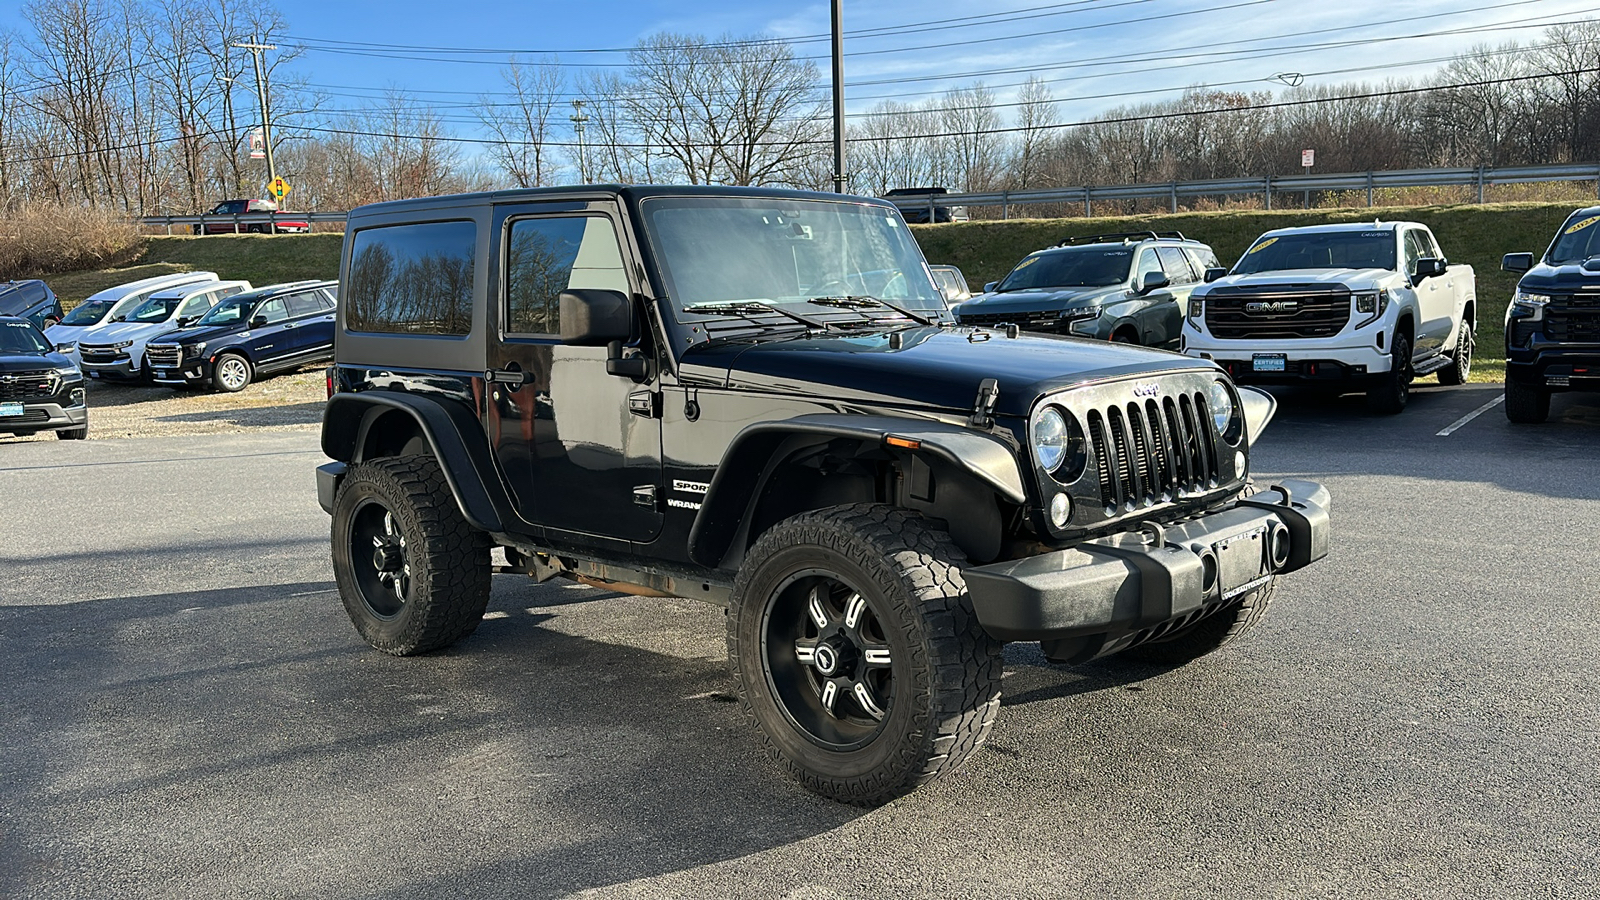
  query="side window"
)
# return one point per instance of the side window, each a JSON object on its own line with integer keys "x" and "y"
{"x": 1176, "y": 265}
{"x": 1202, "y": 259}
{"x": 229, "y": 291}
{"x": 413, "y": 279}
{"x": 197, "y": 305}
{"x": 275, "y": 310}
{"x": 1430, "y": 247}
{"x": 234, "y": 206}
{"x": 549, "y": 255}
{"x": 1414, "y": 250}
{"x": 1148, "y": 263}
{"x": 303, "y": 305}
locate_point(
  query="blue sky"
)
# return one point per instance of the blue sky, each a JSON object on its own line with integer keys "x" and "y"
{"x": 1075, "y": 46}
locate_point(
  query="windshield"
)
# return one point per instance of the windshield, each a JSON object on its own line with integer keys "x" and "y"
{"x": 88, "y": 312}
{"x": 716, "y": 251}
{"x": 21, "y": 337}
{"x": 1077, "y": 267}
{"x": 1579, "y": 240}
{"x": 1319, "y": 250}
{"x": 229, "y": 311}
{"x": 156, "y": 309}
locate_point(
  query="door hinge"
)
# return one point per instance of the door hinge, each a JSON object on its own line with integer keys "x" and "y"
{"x": 646, "y": 404}
{"x": 645, "y": 495}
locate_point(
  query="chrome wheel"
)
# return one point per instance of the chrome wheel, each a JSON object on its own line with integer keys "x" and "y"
{"x": 827, "y": 659}
{"x": 233, "y": 373}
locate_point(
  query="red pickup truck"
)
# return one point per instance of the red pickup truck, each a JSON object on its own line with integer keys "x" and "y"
{"x": 242, "y": 207}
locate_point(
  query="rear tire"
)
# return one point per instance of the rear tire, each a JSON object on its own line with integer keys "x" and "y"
{"x": 1393, "y": 391}
{"x": 910, "y": 683}
{"x": 1210, "y": 634}
{"x": 1460, "y": 367}
{"x": 1525, "y": 403}
{"x": 413, "y": 574}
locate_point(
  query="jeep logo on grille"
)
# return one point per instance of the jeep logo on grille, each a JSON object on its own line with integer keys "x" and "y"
{"x": 1272, "y": 307}
{"x": 1147, "y": 390}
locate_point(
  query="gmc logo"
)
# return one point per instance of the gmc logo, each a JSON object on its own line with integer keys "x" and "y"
{"x": 1272, "y": 307}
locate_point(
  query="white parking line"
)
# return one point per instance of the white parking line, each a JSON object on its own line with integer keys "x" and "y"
{"x": 1471, "y": 415}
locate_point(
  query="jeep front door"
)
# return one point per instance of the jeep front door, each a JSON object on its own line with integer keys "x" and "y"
{"x": 579, "y": 448}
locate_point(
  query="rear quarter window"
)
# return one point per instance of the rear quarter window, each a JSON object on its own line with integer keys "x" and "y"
{"x": 412, "y": 279}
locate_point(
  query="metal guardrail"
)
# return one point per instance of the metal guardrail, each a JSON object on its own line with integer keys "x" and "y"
{"x": 1479, "y": 176}
{"x": 241, "y": 222}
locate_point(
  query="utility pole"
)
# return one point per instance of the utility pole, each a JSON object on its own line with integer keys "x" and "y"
{"x": 578, "y": 118}
{"x": 261, "y": 96}
{"x": 839, "y": 177}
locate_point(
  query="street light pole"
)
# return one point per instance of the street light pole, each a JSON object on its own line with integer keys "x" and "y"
{"x": 578, "y": 118}
{"x": 261, "y": 97}
{"x": 839, "y": 177}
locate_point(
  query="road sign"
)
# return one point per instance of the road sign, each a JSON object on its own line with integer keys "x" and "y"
{"x": 278, "y": 188}
{"x": 1308, "y": 158}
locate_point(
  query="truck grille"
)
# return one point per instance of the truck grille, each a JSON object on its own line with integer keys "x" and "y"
{"x": 1278, "y": 315}
{"x": 101, "y": 353}
{"x": 1043, "y": 320}
{"x": 33, "y": 385}
{"x": 164, "y": 355}
{"x": 1577, "y": 325}
{"x": 1153, "y": 452}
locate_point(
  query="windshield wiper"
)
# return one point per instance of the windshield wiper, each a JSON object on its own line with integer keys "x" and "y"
{"x": 743, "y": 308}
{"x": 858, "y": 301}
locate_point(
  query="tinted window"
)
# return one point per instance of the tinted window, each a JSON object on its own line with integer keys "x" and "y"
{"x": 1319, "y": 250}
{"x": 1148, "y": 264}
{"x": 156, "y": 309}
{"x": 547, "y": 256}
{"x": 303, "y": 305}
{"x": 1415, "y": 250}
{"x": 196, "y": 305}
{"x": 20, "y": 337}
{"x": 1577, "y": 240}
{"x": 274, "y": 311}
{"x": 412, "y": 279}
{"x": 1202, "y": 259}
{"x": 1077, "y": 267}
{"x": 88, "y": 312}
{"x": 1175, "y": 265}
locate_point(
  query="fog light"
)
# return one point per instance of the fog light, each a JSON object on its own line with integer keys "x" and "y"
{"x": 1238, "y": 462}
{"x": 1060, "y": 510}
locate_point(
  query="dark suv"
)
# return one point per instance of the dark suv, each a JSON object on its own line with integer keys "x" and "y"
{"x": 40, "y": 389}
{"x": 1553, "y": 322}
{"x": 756, "y": 398}
{"x": 1128, "y": 287}
{"x": 30, "y": 299}
{"x": 272, "y": 329}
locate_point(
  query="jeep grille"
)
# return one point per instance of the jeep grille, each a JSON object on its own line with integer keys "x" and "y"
{"x": 1152, "y": 452}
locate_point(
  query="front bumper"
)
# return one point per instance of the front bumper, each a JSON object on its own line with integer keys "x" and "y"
{"x": 192, "y": 372}
{"x": 118, "y": 370}
{"x": 1555, "y": 367}
{"x": 1129, "y": 583}
{"x": 1352, "y": 354}
{"x": 49, "y": 416}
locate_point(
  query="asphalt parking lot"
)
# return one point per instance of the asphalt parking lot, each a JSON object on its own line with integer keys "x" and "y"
{"x": 190, "y": 714}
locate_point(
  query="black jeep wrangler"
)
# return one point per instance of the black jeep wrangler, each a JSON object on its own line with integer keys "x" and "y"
{"x": 1553, "y": 322}
{"x": 758, "y": 398}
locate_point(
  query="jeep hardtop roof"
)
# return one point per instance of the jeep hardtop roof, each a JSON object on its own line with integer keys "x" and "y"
{"x": 630, "y": 192}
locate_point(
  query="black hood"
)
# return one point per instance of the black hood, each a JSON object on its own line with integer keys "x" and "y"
{"x": 1569, "y": 277}
{"x": 930, "y": 367}
{"x": 193, "y": 334}
{"x": 1036, "y": 300}
{"x": 32, "y": 362}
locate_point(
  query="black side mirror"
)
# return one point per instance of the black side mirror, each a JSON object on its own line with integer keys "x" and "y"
{"x": 1153, "y": 281}
{"x": 258, "y": 322}
{"x": 183, "y": 321}
{"x": 595, "y": 318}
{"x": 1517, "y": 262}
{"x": 1428, "y": 266}
{"x": 989, "y": 288}
{"x": 1215, "y": 272}
{"x": 63, "y": 348}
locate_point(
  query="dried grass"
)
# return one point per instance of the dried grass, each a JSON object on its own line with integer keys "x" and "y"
{"x": 39, "y": 239}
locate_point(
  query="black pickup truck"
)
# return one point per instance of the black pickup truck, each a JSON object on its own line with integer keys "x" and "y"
{"x": 1553, "y": 322}
{"x": 758, "y": 398}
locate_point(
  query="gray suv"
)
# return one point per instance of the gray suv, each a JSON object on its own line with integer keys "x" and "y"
{"x": 1128, "y": 287}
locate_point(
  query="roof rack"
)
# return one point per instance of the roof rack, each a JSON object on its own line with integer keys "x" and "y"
{"x": 1121, "y": 236}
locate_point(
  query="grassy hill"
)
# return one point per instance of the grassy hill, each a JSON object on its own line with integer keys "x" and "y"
{"x": 261, "y": 259}
{"x": 1474, "y": 234}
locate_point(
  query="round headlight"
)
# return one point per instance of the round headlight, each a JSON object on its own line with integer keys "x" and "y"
{"x": 1220, "y": 399}
{"x": 1060, "y": 510}
{"x": 1050, "y": 439}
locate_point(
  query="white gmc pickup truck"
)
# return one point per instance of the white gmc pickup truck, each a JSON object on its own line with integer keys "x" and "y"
{"x": 1365, "y": 306}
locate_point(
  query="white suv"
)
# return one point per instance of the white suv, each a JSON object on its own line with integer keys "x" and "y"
{"x": 115, "y": 349}
{"x": 103, "y": 306}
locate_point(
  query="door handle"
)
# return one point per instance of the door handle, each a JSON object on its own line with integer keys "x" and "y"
{"x": 512, "y": 376}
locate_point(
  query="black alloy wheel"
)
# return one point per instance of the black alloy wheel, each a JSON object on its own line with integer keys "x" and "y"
{"x": 1393, "y": 390}
{"x": 1460, "y": 368}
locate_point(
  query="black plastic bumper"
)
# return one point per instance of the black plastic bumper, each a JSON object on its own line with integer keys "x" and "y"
{"x": 1134, "y": 581}
{"x": 48, "y": 416}
{"x": 328, "y": 476}
{"x": 1555, "y": 368}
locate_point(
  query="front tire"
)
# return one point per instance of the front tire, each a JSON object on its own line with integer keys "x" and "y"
{"x": 1525, "y": 403}
{"x": 1393, "y": 390}
{"x": 858, "y": 655}
{"x": 413, "y": 574}
{"x": 232, "y": 373}
{"x": 1460, "y": 367}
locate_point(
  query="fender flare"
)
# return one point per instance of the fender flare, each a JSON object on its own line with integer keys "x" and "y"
{"x": 731, "y": 497}
{"x": 467, "y": 465}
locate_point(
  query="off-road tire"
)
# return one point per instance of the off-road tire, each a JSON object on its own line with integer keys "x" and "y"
{"x": 73, "y": 434}
{"x": 1526, "y": 404}
{"x": 945, "y": 688}
{"x": 1210, "y": 634}
{"x": 1461, "y": 358}
{"x": 1393, "y": 390}
{"x": 449, "y": 570}
{"x": 229, "y": 386}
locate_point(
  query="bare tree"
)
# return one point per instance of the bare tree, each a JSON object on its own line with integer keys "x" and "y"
{"x": 521, "y": 126}
{"x": 1036, "y": 114}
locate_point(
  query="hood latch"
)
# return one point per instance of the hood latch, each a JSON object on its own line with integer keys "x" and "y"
{"x": 983, "y": 406}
